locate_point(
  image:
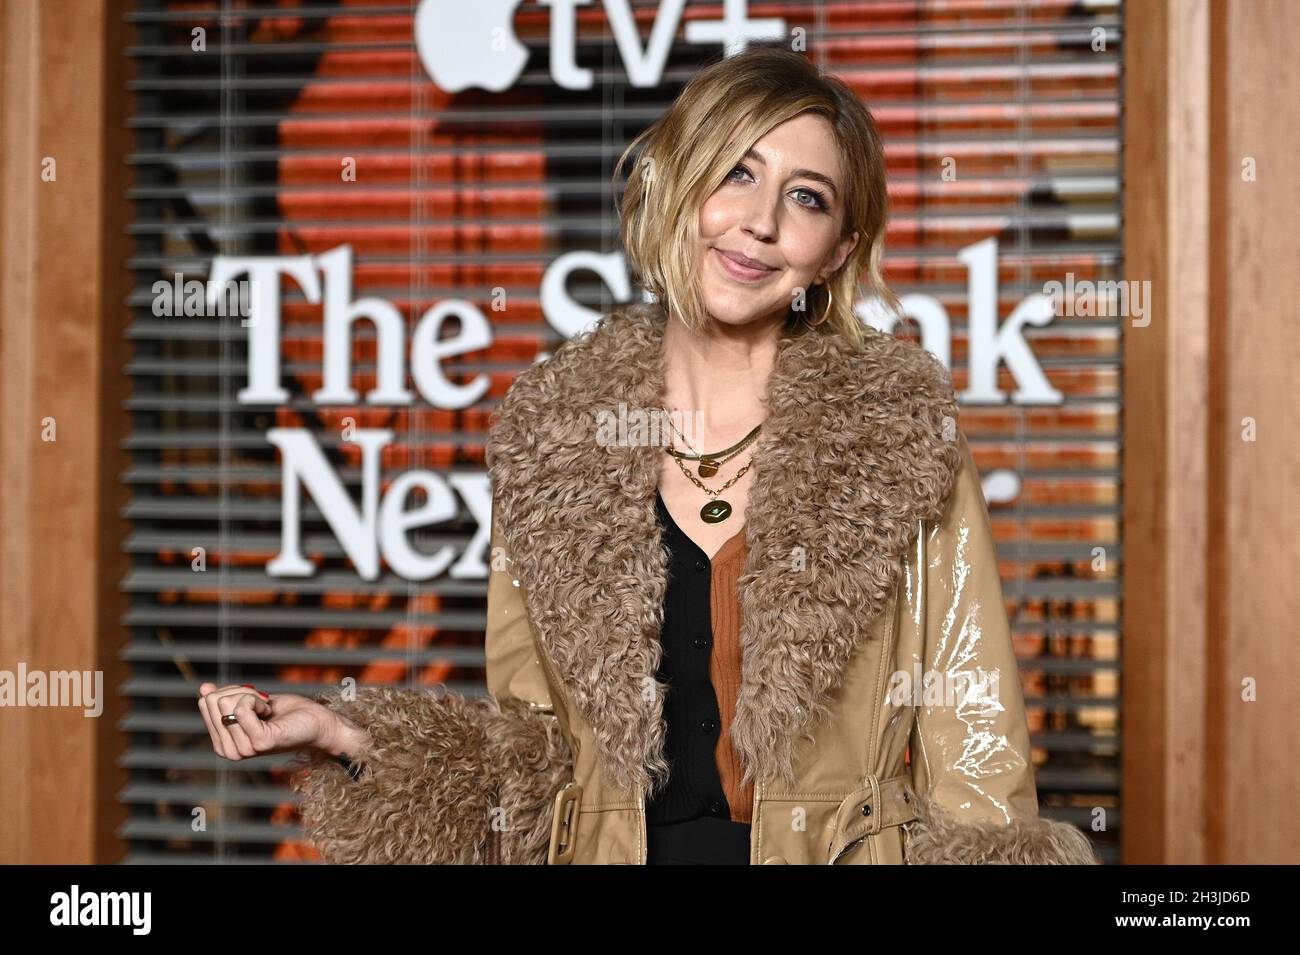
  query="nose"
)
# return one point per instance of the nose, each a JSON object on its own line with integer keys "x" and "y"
{"x": 760, "y": 216}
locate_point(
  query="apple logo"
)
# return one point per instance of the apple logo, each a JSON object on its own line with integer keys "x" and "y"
{"x": 464, "y": 43}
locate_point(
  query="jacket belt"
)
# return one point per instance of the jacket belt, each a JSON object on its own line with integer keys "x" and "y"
{"x": 864, "y": 812}
{"x": 877, "y": 805}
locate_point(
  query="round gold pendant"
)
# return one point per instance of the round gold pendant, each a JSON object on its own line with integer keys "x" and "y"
{"x": 715, "y": 512}
{"x": 708, "y": 467}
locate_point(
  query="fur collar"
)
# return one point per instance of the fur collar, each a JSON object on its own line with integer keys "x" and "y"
{"x": 858, "y": 446}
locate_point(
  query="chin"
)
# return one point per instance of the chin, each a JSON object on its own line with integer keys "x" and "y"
{"x": 739, "y": 319}
{"x": 727, "y": 311}
{"x": 731, "y": 316}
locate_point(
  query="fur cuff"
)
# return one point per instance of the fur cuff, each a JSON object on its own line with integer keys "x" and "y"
{"x": 532, "y": 763}
{"x": 448, "y": 779}
{"x": 936, "y": 838}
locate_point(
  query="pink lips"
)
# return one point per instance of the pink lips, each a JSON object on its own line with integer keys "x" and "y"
{"x": 742, "y": 267}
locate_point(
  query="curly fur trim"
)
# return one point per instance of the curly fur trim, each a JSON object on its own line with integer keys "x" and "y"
{"x": 858, "y": 447}
{"x": 532, "y": 763}
{"x": 936, "y": 838}
{"x": 440, "y": 770}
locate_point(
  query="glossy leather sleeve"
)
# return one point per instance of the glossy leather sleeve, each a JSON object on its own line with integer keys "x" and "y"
{"x": 970, "y": 751}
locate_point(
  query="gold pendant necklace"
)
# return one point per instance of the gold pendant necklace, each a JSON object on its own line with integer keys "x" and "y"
{"x": 717, "y": 510}
{"x": 709, "y": 463}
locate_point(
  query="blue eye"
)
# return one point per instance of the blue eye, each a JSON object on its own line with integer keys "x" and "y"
{"x": 819, "y": 200}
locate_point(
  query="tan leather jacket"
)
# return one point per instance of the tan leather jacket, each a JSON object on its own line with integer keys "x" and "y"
{"x": 873, "y": 628}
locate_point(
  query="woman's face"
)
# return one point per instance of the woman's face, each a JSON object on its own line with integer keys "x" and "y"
{"x": 782, "y": 206}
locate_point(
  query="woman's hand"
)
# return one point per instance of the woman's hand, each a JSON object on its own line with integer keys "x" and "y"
{"x": 267, "y": 724}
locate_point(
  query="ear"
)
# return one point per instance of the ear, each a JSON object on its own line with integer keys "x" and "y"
{"x": 840, "y": 253}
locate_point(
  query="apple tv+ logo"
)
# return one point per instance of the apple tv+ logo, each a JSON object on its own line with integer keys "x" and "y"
{"x": 471, "y": 43}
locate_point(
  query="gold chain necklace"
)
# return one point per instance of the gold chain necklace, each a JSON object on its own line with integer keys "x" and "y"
{"x": 709, "y": 463}
{"x": 716, "y": 511}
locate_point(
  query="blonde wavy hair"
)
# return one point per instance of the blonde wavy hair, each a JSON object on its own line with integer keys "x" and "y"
{"x": 686, "y": 154}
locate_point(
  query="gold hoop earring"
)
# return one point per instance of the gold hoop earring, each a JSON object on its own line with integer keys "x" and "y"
{"x": 830, "y": 299}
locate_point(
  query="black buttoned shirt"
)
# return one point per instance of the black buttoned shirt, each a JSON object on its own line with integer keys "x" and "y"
{"x": 694, "y": 786}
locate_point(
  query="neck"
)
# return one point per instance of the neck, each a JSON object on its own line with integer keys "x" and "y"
{"x": 720, "y": 372}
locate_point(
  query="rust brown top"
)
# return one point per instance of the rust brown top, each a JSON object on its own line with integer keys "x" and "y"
{"x": 724, "y": 668}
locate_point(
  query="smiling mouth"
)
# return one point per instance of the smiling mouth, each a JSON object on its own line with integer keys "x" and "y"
{"x": 740, "y": 271}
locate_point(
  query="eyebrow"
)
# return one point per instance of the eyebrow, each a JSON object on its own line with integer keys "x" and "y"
{"x": 751, "y": 153}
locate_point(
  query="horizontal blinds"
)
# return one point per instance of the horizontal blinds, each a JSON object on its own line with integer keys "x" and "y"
{"x": 238, "y": 151}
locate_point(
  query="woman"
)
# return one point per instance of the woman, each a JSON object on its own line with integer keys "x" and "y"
{"x": 644, "y": 706}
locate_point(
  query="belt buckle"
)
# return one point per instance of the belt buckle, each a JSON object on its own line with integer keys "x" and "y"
{"x": 563, "y": 825}
{"x": 860, "y": 814}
